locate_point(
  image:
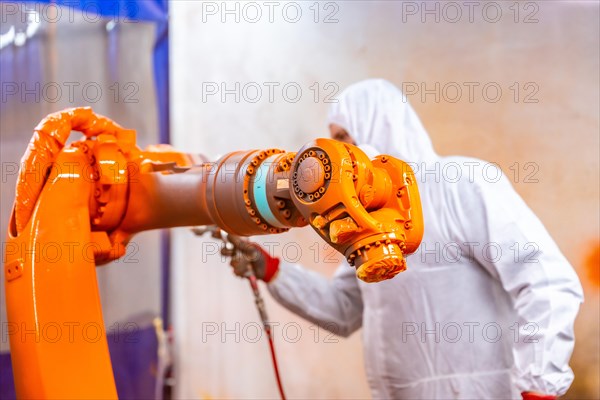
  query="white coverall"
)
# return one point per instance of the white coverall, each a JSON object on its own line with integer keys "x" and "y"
{"x": 486, "y": 306}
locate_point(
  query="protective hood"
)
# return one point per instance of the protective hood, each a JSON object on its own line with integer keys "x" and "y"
{"x": 376, "y": 113}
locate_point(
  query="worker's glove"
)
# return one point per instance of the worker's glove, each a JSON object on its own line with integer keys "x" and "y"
{"x": 537, "y": 396}
{"x": 245, "y": 255}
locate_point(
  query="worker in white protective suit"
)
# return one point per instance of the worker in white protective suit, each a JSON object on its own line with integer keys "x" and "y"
{"x": 486, "y": 306}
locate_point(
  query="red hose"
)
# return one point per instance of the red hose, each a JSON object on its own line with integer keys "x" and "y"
{"x": 267, "y": 328}
{"x": 275, "y": 366}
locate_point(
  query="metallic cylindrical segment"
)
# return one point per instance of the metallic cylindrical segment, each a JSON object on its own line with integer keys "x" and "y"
{"x": 228, "y": 191}
{"x": 230, "y": 194}
{"x": 259, "y": 189}
{"x": 159, "y": 200}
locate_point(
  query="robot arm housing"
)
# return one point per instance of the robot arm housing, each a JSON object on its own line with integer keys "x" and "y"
{"x": 90, "y": 197}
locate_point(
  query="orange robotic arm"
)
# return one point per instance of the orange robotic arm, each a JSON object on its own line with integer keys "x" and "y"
{"x": 78, "y": 205}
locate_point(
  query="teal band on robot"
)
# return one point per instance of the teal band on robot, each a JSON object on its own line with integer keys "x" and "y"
{"x": 259, "y": 190}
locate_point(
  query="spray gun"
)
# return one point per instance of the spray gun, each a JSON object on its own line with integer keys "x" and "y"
{"x": 235, "y": 246}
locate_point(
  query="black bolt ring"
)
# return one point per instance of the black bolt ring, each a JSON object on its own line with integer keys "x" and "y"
{"x": 317, "y": 194}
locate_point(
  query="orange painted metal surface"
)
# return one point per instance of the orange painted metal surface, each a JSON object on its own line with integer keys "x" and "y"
{"x": 77, "y": 206}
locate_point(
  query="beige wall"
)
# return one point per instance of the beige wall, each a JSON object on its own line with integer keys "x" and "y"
{"x": 557, "y": 57}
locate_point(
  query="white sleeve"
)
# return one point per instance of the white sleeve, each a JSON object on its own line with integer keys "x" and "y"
{"x": 543, "y": 286}
{"x": 335, "y": 305}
